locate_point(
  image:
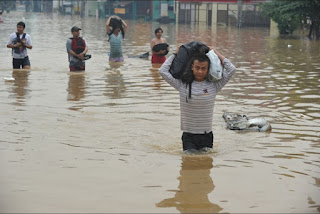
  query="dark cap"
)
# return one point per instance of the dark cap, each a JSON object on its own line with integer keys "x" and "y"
{"x": 75, "y": 28}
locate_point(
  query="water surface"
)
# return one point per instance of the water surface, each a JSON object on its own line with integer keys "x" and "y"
{"x": 109, "y": 139}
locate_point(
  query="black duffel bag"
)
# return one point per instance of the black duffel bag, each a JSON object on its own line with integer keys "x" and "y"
{"x": 115, "y": 22}
{"x": 161, "y": 47}
{"x": 184, "y": 55}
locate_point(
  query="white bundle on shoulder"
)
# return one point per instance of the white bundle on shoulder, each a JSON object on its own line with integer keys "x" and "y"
{"x": 216, "y": 69}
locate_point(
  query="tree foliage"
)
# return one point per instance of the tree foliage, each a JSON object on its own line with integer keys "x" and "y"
{"x": 290, "y": 14}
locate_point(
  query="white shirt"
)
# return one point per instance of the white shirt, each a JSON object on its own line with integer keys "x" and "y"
{"x": 13, "y": 40}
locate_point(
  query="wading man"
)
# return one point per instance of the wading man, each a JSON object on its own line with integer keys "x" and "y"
{"x": 158, "y": 56}
{"x": 20, "y": 42}
{"x": 76, "y": 48}
{"x": 197, "y": 98}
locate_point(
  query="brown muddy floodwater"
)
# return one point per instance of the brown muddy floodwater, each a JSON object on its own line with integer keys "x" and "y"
{"x": 108, "y": 139}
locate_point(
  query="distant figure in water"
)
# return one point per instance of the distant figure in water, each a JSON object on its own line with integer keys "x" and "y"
{"x": 158, "y": 56}
{"x": 19, "y": 42}
{"x": 116, "y": 29}
{"x": 77, "y": 49}
{"x": 1, "y": 17}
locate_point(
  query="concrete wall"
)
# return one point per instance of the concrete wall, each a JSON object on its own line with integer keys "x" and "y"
{"x": 202, "y": 13}
{"x": 92, "y": 7}
{"x": 219, "y": 13}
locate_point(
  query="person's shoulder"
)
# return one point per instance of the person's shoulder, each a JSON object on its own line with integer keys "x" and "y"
{"x": 69, "y": 40}
{"x": 84, "y": 39}
{"x": 13, "y": 35}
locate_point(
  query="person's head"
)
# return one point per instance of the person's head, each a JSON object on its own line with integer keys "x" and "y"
{"x": 20, "y": 27}
{"x": 200, "y": 66}
{"x": 197, "y": 69}
{"x": 158, "y": 32}
{"x": 75, "y": 31}
{"x": 117, "y": 29}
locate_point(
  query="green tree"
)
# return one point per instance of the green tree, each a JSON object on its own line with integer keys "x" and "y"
{"x": 290, "y": 14}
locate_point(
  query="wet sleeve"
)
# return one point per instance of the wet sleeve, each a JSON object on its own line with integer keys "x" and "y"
{"x": 29, "y": 42}
{"x": 226, "y": 75}
{"x": 85, "y": 41}
{"x": 166, "y": 75}
{"x": 10, "y": 40}
{"x": 68, "y": 45}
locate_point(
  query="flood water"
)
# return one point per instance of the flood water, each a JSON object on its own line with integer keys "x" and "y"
{"x": 109, "y": 140}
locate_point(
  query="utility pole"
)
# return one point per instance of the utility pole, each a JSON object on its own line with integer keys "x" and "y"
{"x": 239, "y": 13}
{"x": 72, "y": 7}
{"x": 83, "y": 5}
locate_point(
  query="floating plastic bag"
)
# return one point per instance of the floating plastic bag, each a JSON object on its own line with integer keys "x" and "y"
{"x": 216, "y": 69}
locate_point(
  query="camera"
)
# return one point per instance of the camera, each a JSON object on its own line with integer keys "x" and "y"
{"x": 87, "y": 56}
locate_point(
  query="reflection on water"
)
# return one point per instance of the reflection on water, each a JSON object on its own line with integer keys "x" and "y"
{"x": 195, "y": 183}
{"x": 76, "y": 86}
{"x": 156, "y": 76}
{"x": 20, "y": 87}
{"x": 115, "y": 86}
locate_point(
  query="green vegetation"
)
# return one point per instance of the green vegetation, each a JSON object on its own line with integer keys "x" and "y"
{"x": 292, "y": 14}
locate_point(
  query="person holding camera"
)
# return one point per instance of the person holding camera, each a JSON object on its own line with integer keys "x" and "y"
{"x": 77, "y": 49}
{"x": 20, "y": 42}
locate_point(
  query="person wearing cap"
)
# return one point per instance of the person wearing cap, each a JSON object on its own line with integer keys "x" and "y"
{"x": 76, "y": 48}
{"x": 20, "y": 42}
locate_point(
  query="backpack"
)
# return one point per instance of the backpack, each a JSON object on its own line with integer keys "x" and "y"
{"x": 78, "y": 45}
{"x": 20, "y": 49}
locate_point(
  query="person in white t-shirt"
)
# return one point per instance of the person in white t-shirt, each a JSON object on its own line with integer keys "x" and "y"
{"x": 20, "y": 42}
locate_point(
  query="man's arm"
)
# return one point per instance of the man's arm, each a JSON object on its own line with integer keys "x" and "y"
{"x": 167, "y": 76}
{"x": 81, "y": 55}
{"x": 151, "y": 46}
{"x": 10, "y": 43}
{"x": 124, "y": 25}
{"x": 221, "y": 57}
{"x": 27, "y": 42}
{"x": 108, "y": 25}
{"x": 227, "y": 74}
{"x": 161, "y": 52}
{"x": 69, "y": 50}
{"x": 28, "y": 46}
